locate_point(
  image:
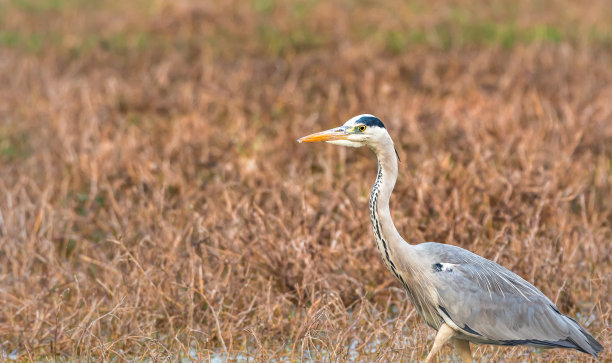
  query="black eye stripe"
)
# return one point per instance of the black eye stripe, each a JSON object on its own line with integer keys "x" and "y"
{"x": 370, "y": 121}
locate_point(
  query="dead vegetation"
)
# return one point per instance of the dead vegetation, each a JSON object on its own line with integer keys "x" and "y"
{"x": 154, "y": 202}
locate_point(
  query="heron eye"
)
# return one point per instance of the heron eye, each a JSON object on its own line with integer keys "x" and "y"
{"x": 362, "y": 128}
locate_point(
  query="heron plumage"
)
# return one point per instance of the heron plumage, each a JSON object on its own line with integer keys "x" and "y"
{"x": 498, "y": 306}
{"x": 462, "y": 295}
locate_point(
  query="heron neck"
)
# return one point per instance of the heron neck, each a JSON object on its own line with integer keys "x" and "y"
{"x": 399, "y": 257}
{"x": 388, "y": 239}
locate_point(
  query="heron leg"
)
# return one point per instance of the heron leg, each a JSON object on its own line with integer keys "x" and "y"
{"x": 463, "y": 347}
{"x": 444, "y": 334}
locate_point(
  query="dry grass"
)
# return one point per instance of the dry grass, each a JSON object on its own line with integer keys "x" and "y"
{"x": 154, "y": 202}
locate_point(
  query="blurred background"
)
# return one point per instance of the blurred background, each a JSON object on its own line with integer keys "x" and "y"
{"x": 154, "y": 202}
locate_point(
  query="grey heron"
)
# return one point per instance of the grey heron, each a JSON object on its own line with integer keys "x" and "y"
{"x": 465, "y": 297}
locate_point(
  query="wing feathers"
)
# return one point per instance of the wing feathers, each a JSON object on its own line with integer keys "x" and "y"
{"x": 490, "y": 304}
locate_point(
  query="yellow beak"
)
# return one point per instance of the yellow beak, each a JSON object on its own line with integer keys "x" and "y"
{"x": 339, "y": 133}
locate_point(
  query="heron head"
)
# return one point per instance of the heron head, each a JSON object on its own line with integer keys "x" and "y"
{"x": 362, "y": 130}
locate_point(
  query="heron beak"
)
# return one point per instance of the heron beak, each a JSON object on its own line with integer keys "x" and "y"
{"x": 339, "y": 133}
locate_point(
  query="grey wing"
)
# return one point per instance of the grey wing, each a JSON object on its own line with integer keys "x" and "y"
{"x": 490, "y": 304}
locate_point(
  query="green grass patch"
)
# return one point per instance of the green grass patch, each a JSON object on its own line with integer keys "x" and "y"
{"x": 45, "y": 6}
{"x": 263, "y": 6}
{"x": 447, "y": 35}
{"x": 14, "y": 147}
{"x": 277, "y": 42}
{"x": 281, "y": 27}
{"x": 29, "y": 42}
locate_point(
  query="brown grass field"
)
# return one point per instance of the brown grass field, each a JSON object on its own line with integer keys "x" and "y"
{"x": 154, "y": 204}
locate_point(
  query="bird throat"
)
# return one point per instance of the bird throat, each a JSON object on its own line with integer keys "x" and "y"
{"x": 389, "y": 242}
{"x": 376, "y": 212}
{"x": 387, "y": 239}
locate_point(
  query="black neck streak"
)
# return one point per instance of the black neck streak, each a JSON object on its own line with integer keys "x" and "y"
{"x": 382, "y": 245}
